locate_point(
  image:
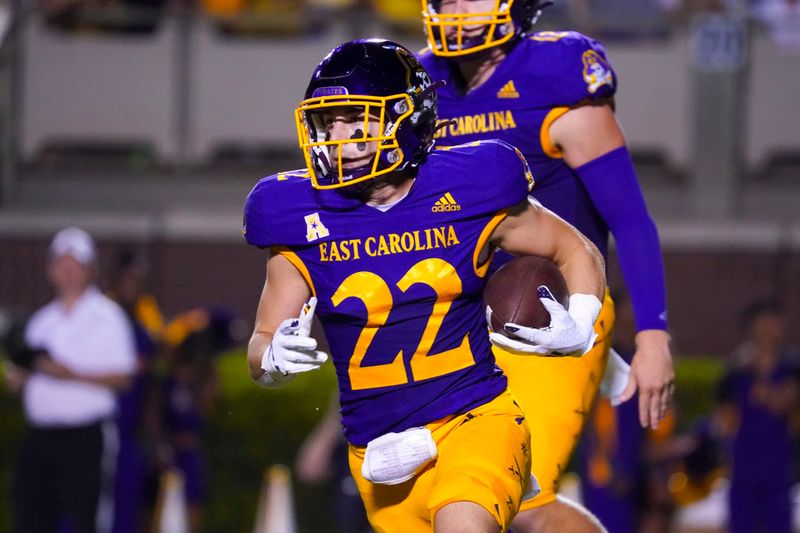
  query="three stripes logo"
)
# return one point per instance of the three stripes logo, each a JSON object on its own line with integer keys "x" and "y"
{"x": 508, "y": 91}
{"x": 445, "y": 203}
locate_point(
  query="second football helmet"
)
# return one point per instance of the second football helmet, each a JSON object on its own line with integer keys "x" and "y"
{"x": 388, "y": 102}
{"x": 452, "y": 34}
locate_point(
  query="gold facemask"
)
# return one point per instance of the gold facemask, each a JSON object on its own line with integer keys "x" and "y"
{"x": 498, "y": 29}
{"x": 387, "y": 112}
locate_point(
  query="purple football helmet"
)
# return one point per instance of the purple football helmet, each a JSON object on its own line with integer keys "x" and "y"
{"x": 387, "y": 101}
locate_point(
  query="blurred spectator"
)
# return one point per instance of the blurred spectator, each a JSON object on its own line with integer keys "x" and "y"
{"x": 145, "y": 318}
{"x": 127, "y": 289}
{"x": 63, "y": 14}
{"x": 84, "y": 352}
{"x": 633, "y": 479}
{"x": 187, "y": 395}
{"x": 699, "y": 454}
{"x": 782, "y": 19}
{"x": 759, "y": 398}
{"x": 222, "y": 9}
{"x": 277, "y": 18}
{"x": 680, "y": 469}
{"x": 657, "y": 504}
{"x": 323, "y": 457}
{"x": 401, "y": 16}
{"x": 611, "y": 454}
{"x": 118, "y": 16}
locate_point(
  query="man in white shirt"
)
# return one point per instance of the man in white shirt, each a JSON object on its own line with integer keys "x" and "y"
{"x": 86, "y": 354}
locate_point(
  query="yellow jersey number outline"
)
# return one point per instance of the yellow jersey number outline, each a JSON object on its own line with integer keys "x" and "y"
{"x": 374, "y": 292}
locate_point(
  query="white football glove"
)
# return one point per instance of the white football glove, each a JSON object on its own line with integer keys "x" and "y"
{"x": 569, "y": 333}
{"x": 292, "y": 350}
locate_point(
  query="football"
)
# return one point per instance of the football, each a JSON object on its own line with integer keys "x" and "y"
{"x": 512, "y": 292}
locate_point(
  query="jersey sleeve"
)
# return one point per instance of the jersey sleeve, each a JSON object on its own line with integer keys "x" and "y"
{"x": 268, "y": 216}
{"x": 512, "y": 179}
{"x": 256, "y": 222}
{"x": 581, "y": 66}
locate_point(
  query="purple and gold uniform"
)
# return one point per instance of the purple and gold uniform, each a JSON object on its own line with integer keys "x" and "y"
{"x": 400, "y": 300}
{"x": 543, "y": 77}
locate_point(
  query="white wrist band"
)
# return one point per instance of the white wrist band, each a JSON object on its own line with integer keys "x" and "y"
{"x": 585, "y": 307}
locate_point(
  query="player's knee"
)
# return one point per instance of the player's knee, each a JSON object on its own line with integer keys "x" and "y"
{"x": 559, "y": 516}
{"x": 464, "y": 517}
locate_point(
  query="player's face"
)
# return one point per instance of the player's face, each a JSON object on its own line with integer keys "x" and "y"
{"x": 463, "y": 27}
{"x": 468, "y": 7}
{"x": 353, "y": 124}
{"x": 349, "y": 138}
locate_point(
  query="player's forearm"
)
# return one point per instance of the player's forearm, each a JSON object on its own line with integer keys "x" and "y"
{"x": 639, "y": 255}
{"x": 612, "y": 184}
{"x": 584, "y": 269}
{"x": 255, "y": 353}
{"x": 577, "y": 257}
{"x": 531, "y": 229}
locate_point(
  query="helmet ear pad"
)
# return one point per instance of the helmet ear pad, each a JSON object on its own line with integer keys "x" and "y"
{"x": 525, "y": 13}
{"x": 424, "y": 128}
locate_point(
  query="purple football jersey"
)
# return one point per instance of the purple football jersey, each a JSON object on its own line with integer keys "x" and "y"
{"x": 399, "y": 292}
{"x": 542, "y": 77}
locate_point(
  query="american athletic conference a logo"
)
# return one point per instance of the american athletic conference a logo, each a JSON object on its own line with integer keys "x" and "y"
{"x": 315, "y": 229}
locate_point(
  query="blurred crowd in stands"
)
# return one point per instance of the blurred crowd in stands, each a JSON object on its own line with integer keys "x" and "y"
{"x": 604, "y": 19}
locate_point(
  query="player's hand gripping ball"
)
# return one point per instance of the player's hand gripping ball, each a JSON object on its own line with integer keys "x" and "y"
{"x": 512, "y": 294}
{"x": 535, "y": 315}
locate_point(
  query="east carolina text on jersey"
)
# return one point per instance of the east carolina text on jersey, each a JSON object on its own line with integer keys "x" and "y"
{"x": 391, "y": 243}
{"x": 475, "y": 124}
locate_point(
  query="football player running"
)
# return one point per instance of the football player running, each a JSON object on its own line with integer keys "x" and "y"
{"x": 435, "y": 437}
{"x": 551, "y": 94}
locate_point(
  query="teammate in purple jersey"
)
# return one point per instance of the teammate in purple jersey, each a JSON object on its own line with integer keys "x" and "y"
{"x": 390, "y": 242}
{"x": 551, "y": 95}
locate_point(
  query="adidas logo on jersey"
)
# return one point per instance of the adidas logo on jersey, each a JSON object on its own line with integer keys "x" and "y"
{"x": 445, "y": 203}
{"x": 508, "y": 91}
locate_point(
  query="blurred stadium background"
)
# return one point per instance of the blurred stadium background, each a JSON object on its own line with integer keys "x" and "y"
{"x": 146, "y": 122}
